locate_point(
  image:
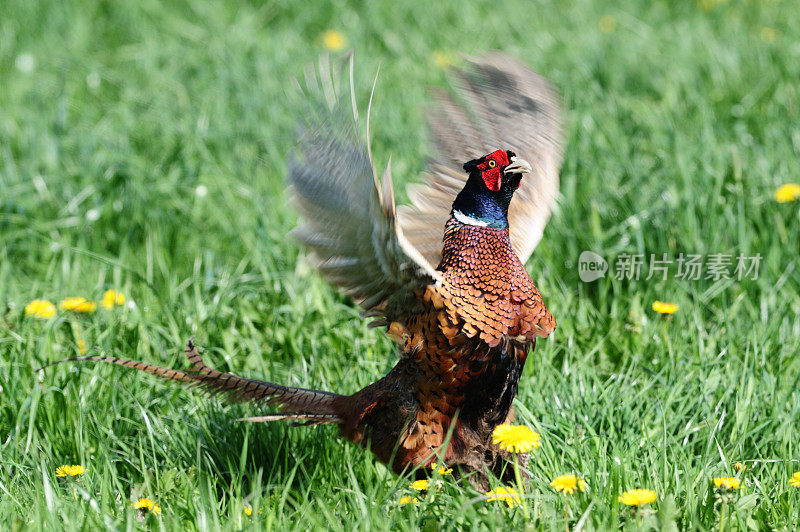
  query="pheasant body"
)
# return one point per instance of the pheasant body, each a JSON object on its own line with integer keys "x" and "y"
{"x": 464, "y": 327}
{"x": 462, "y": 354}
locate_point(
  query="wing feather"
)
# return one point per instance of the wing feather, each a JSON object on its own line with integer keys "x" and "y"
{"x": 498, "y": 103}
{"x": 350, "y": 220}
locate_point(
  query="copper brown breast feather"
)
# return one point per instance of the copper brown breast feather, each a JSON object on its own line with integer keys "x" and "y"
{"x": 445, "y": 275}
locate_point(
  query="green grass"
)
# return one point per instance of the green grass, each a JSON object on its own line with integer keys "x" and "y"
{"x": 681, "y": 123}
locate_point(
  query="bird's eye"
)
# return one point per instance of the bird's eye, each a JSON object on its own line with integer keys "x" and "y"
{"x": 492, "y": 163}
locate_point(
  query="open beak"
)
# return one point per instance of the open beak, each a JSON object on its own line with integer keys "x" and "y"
{"x": 518, "y": 166}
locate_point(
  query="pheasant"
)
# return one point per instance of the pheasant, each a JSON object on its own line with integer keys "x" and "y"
{"x": 462, "y": 308}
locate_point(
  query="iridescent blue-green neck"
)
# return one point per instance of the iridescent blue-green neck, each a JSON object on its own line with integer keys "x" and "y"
{"x": 484, "y": 206}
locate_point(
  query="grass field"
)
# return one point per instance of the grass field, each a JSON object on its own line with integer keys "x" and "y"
{"x": 143, "y": 149}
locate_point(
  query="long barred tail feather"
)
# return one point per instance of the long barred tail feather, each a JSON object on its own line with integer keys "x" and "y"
{"x": 299, "y": 419}
{"x": 301, "y": 404}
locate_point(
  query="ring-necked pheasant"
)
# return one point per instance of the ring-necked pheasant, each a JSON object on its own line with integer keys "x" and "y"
{"x": 463, "y": 309}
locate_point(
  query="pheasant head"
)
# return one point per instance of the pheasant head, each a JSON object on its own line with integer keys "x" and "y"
{"x": 492, "y": 181}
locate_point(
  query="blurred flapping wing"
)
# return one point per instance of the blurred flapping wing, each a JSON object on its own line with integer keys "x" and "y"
{"x": 498, "y": 103}
{"x": 350, "y": 218}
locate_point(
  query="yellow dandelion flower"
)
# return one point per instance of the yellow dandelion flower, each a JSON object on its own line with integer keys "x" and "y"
{"x": 788, "y": 192}
{"x": 334, "y": 40}
{"x": 607, "y": 24}
{"x": 709, "y": 5}
{"x": 70, "y": 470}
{"x": 508, "y": 495}
{"x": 81, "y": 346}
{"x": 443, "y": 470}
{"x": 727, "y": 483}
{"x": 419, "y": 485}
{"x": 408, "y": 499}
{"x": 112, "y": 298}
{"x": 768, "y": 35}
{"x": 567, "y": 484}
{"x": 248, "y": 511}
{"x": 78, "y": 304}
{"x": 515, "y": 438}
{"x": 442, "y": 59}
{"x": 665, "y": 308}
{"x": 637, "y": 497}
{"x": 795, "y": 480}
{"x": 147, "y": 505}
{"x": 738, "y": 466}
{"x": 40, "y": 308}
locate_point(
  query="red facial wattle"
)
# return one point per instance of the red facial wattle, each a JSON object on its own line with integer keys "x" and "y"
{"x": 492, "y": 169}
{"x": 492, "y": 177}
